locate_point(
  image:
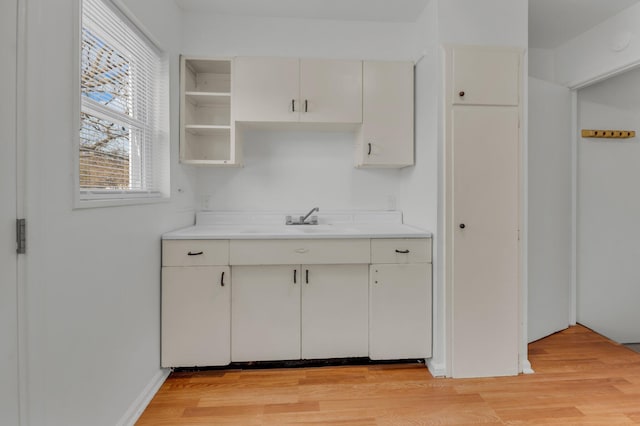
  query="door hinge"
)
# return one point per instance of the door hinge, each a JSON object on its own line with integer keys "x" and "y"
{"x": 21, "y": 236}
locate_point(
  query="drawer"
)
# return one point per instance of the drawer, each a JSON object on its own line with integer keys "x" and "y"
{"x": 401, "y": 250}
{"x": 203, "y": 252}
{"x": 287, "y": 252}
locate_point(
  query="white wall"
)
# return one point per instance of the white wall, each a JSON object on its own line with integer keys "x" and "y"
{"x": 542, "y": 64}
{"x": 418, "y": 196}
{"x": 606, "y": 48}
{"x": 550, "y": 209}
{"x": 297, "y": 169}
{"x": 608, "y": 229}
{"x": 487, "y": 22}
{"x": 93, "y": 275}
{"x": 227, "y": 35}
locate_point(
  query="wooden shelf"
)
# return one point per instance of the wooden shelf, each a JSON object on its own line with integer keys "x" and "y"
{"x": 203, "y": 130}
{"x": 206, "y": 99}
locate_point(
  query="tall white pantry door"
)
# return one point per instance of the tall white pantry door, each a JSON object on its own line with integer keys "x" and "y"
{"x": 485, "y": 241}
{"x": 9, "y": 408}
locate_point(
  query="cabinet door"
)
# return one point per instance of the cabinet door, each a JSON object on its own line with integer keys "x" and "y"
{"x": 334, "y": 311}
{"x": 485, "y": 76}
{"x": 386, "y": 136}
{"x": 265, "y": 310}
{"x": 400, "y": 311}
{"x": 196, "y": 316}
{"x": 266, "y": 89}
{"x": 330, "y": 91}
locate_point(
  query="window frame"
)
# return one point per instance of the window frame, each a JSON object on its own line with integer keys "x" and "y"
{"x": 160, "y": 139}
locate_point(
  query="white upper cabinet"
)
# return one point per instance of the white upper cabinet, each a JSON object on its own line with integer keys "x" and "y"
{"x": 386, "y": 136}
{"x": 207, "y": 131}
{"x": 330, "y": 91}
{"x": 297, "y": 90}
{"x": 485, "y": 76}
{"x": 267, "y": 89}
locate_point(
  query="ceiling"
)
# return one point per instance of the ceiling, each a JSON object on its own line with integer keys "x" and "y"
{"x": 348, "y": 10}
{"x": 551, "y": 22}
{"x": 554, "y": 22}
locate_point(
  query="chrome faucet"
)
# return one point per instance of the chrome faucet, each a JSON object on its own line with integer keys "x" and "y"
{"x": 315, "y": 209}
{"x": 303, "y": 219}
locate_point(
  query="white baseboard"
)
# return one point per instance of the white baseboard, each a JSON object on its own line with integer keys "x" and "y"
{"x": 436, "y": 369}
{"x": 526, "y": 367}
{"x": 138, "y": 406}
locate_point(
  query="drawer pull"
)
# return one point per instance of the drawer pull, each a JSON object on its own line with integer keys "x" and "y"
{"x": 222, "y": 279}
{"x": 402, "y": 251}
{"x": 195, "y": 254}
{"x": 301, "y": 250}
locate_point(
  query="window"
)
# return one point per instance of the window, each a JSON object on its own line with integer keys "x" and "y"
{"x": 121, "y": 146}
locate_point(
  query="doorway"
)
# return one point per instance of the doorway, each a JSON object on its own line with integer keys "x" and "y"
{"x": 608, "y": 207}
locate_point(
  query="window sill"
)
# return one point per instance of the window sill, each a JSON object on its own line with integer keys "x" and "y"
{"x": 88, "y": 203}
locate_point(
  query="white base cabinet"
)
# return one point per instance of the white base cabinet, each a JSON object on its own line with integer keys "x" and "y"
{"x": 289, "y": 312}
{"x": 195, "y": 316}
{"x": 265, "y": 319}
{"x": 274, "y": 300}
{"x": 334, "y": 311}
{"x": 400, "y": 299}
{"x": 400, "y": 311}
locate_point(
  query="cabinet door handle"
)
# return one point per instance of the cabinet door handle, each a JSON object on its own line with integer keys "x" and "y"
{"x": 195, "y": 254}
{"x": 306, "y": 109}
{"x": 222, "y": 279}
{"x": 295, "y": 276}
{"x": 369, "y": 153}
{"x": 293, "y": 105}
{"x": 307, "y": 276}
{"x": 402, "y": 251}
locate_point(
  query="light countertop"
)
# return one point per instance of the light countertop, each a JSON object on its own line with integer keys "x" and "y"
{"x": 342, "y": 224}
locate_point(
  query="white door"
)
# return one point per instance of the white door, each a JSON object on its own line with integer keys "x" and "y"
{"x": 266, "y": 89}
{"x": 330, "y": 91}
{"x": 334, "y": 311}
{"x": 196, "y": 316}
{"x": 485, "y": 327}
{"x": 265, "y": 313}
{"x": 549, "y": 235}
{"x": 8, "y": 261}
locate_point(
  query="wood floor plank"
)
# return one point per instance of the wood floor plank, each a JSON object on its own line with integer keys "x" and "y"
{"x": 581, "y": 378}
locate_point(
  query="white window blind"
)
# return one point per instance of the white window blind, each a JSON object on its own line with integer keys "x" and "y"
{"x": 120, "y": 96}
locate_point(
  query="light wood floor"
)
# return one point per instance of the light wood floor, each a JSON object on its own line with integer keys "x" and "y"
{"x": 581, "y": 379}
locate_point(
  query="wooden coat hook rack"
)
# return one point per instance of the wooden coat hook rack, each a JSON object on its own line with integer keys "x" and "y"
{"x": 611, "y": 134}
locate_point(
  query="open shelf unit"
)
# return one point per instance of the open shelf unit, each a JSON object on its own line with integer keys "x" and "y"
{"x": 207, "y": 130}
